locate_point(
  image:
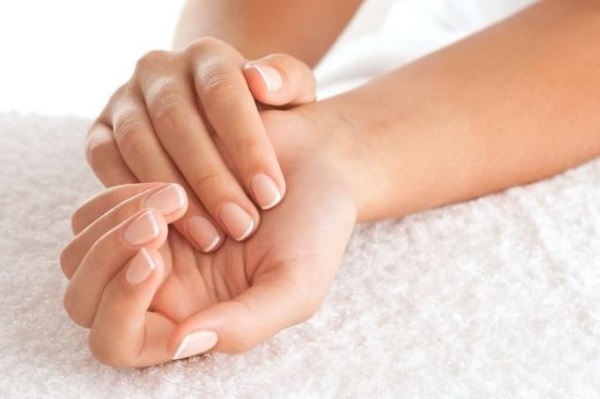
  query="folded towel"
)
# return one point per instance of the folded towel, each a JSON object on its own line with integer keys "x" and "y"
{"x": 497, "y": 297}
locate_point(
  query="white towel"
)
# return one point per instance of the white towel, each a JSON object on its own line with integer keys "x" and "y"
{"x": 498, "y": 297}
{"x": 386, "y": 34}
{"x": 493, "y": 298}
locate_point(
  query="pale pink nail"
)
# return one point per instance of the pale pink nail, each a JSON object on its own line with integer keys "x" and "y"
{"x": 196, "y": 343}
{"x": 140, "y": 268}
{"x": 142, "y": 230}
{"x": 236, "y": 220}
{"x": 204, "y": 233}
{"x": 167, "y": 200}
{"x": 270, "y": 76}
{"x": 265, "y": 190}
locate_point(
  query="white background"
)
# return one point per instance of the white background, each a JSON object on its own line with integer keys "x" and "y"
{"x": 66, "y": 57}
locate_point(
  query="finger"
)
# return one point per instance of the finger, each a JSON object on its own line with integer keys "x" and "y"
{"x": 280, "y": 79}
{"x": 232, "y": 112}
{"x": 240, "y": 324}
{"x": 124, "y": 333}
{"x": 104, "y": 157}
{"x": 105, "y": 201}
{"x": 148, "y": 160}
{"x": 144, "y": 229}
{"x": 167, "y": 199}
{"x": 175, "y": 116}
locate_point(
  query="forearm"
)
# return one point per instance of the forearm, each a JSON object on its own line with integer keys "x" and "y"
{"x": 516, "y": 103}
{"x": 302, "y": 28}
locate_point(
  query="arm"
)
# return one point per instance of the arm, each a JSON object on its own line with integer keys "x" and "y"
{"x": 513, "y": 104}
{"x": 302, "y": 28}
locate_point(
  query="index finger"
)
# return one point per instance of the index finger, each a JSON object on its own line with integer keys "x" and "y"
{"x": 232, "y": 112}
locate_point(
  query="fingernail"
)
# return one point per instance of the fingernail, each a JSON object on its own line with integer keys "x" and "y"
{"x": 140, "y": 268}
{"x": 236, "y": 220}
{"x": 196, "y": 343}
{"x": 266, "y": 191}
{"x": 142, "y": 230}
{"x": 270, "y": 76}
{"x": 167, "y": 200}
{"x": 204, "y": 233}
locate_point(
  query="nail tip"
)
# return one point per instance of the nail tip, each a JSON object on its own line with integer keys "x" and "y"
{"x": 264, "y": 77}
{"x": 247, "y": 232}
{"x": 148, "y": 258}
{"x": 272, "y": 204}
{"x": 181, "y": 348}
{"x": 214, "y": 243}
{"x": 181, "y": 196}
{"x": 207, "y": 340}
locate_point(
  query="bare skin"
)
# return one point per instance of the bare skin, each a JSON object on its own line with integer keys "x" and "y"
{"x": 455, "y": 125}
{"x": 305, "y": 29}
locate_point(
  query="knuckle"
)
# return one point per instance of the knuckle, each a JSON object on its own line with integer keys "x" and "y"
{"x": 206, "y": 182}
{"x": 129, "y": 135}
{"x": 166, "y": 100}
{"x": 104, "y": 353}
{"x": 73, "y": 309}
{"x": 78, "y": 222}
{"x": 219, "y": 88}
{"x": 169, "y": 113}
{"x": 98, "y": 147}
{"x": 208, "y": 45}
{"x": 65, "y": 261}
{"x": 151, "y": 60}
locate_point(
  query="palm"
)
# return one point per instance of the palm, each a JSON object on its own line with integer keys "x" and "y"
{"x": 296, "y": 249}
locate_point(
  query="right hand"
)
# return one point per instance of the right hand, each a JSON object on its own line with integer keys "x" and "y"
{"x": 190, "y": 117}
{"x": 147, "y": 306}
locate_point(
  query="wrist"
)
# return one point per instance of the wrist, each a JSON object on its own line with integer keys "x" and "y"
{"x": 350, "y": 151}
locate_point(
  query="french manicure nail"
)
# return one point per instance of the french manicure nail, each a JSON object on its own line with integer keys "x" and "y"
{"x": 265, "y": 190}
{"x": 270, "y": 76}
{"x": 142, "y": 230}
{"x": 167, "y": 200}
{"x": 203, "y": 232}
{"x": 236, "y": 220}
{"x": 196, "y": 343}
{"x": 140, "y": 268}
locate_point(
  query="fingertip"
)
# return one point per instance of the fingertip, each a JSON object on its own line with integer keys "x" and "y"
{"x": 269, "y": 76}
{"x": 266, "y": 192}
{"x": 147, "y": 228}
{"x": 203, "y": 233}
{"x": 145, "y": 264}
{"x": 195, "y": 343}
{"x": 280, "y": 80}
{"x": 170, "y": 200}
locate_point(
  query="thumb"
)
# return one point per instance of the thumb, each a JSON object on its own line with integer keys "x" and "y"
{"x": 280, "y": 79}
{"x": 243, "y": 322}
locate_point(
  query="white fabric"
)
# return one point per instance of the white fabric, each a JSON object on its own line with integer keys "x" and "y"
{"x": 493, "y": 298}
{"x": 386, "y": 34}
{"x": 497, "y": 297}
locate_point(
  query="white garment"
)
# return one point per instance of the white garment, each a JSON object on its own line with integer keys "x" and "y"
{"x": 386, "y": 34}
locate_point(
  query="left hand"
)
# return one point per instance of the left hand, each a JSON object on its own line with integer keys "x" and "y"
{"x": 169, "y": 300}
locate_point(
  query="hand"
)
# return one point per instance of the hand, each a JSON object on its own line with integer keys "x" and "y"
{"x": 149, "y": 296}
{"x": 190, "y": 117}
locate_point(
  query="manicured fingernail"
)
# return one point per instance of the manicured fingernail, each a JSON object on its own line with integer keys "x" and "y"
{"x": 140, "y": 268}
{"x": 270, "y": 76}
{"x": 236, "y": 220}
{"x": 196, "y": 343}
{"x": 167, "y": 200}
{"x": 204, "y": 233}
{"x": 142, "y": 230}
{"x": 265, "y": 190}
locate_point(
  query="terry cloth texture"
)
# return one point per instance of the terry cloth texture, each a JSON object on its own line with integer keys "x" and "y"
{"x": 494, "y": 298}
